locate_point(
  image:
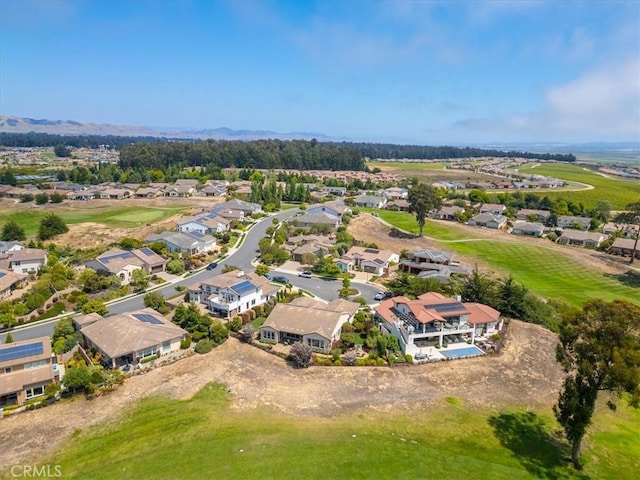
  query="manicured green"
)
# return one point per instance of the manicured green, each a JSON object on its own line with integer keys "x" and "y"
{"x": 617, "y": 191}
{"x": 203, "y": 438}
{"x": 543, "y": 270}
{"x": 57, "y": 309}
{"x": 117, "y": 216}
{"x": 257, "y": 323}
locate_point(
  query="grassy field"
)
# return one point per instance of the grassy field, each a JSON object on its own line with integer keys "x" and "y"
{"x": 616, "y": 191}
{"x": 118, "y": 216}
{"x": 202, "y": 438}
{"x": 546, "y": 271}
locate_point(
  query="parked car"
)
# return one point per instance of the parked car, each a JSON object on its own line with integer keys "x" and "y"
{"x": 280, "y": 279}
{"x": 379, "y": 296}
{"x": 268, "y": 277}
{"x": 212, "y": 265}
{"x": 305, "y": 274}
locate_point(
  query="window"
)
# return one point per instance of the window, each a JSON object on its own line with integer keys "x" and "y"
{"x": 34, "y": 391}
{"x": 313, "y": 343}
{"x": 166, "y": 346}
{"x": 39, "y": 363}
{"x": 268, "y": 335}
{"x": 253, "y": 302}
{"x": 147, "y": 352}
{"x": 7, "y": 370}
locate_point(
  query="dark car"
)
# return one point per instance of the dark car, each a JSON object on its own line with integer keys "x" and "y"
{"x": 268, "y": 277}
{"x": 280, "y": 279}
{"x": 305, "y": 274}
{"x": 212, "y": 265}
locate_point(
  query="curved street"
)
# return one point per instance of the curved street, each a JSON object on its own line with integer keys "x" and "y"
{"x": 326, "y": 289}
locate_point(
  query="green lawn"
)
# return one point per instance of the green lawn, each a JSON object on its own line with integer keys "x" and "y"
{"x": 546, "y": 271}
{"x": 203, "y": 438}
{"x": 118, "y": 216}
{"x": 616, "y": 191}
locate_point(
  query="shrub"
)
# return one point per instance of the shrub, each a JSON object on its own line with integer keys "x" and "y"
{"x": 337, "y": 362}
{"x": 381, "y": 362}
{"x": 204, "y": 346}
{"x": 301, "y": 355}
{"x": 408, "y": 358}
{"x": 235, "y": 324}
{"x": 149, "y": 359}
{"x": 361, "y": 362}
{"x": 361, "y": 300}
{"x": 185, "y": 343}
{"x": 247, "y": 333}
{"x": 335, "y": 354}
{"x": 349, "y": 358}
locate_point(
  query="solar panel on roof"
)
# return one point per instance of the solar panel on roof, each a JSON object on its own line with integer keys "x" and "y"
{"x": 147, "y": 251}
{"x": 145, "y": 317}
{"x": 117, "y": 255}
{"x": 447, "y": 307}
{"x": 21, "y": 351}
{"x": 371, "y": 250}
{"x": 244, "y": 287}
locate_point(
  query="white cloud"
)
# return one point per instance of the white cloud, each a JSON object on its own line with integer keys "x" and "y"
{"x": 601, "y": 105}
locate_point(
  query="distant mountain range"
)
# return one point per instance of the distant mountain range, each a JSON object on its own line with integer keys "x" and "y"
{"x": 13, "y": 124}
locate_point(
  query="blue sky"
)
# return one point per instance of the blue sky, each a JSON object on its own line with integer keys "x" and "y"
{"x": 415, "y": 72}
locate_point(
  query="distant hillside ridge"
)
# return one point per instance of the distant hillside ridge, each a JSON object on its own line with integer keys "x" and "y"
{"x": 13, "y": 124}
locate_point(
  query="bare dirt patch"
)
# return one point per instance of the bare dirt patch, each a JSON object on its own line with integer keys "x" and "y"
{"x": 256, "y": 378}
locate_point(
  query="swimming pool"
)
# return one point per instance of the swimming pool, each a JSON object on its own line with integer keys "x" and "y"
{"x": 472, "y": 351}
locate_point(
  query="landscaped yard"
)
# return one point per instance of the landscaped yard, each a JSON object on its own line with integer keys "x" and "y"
{"x": 614, "y": 190}
{"x": 203, "y": 438}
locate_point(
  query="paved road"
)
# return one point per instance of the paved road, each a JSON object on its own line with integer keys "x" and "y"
{"x": 325, "y": 289}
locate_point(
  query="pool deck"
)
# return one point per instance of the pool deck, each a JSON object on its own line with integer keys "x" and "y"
{"x": 432, "y": 354}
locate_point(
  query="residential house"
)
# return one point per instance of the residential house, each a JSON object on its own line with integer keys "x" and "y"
{"x": 624, "y": 246}
{"x": 84, "y": 195}
{"x": 214, "y": 190}
{"x": 495, "y": 208}
{"x": 122, "y": 263}
{"x": 26, "y": 368}
{"x": 149, "y": 192}
{"x": 10, "y": 281}
{"x": 336, "y": 208}
{"x": 488, "y": 220}
{"x": 433, "y": 264}
{"x": 185, "y": 243}
{"x": 398, "y": 205}
{"x": 530, "y": 215}
{"x": 433, "y": 320}
{"x": 180, "y": 190}
{"x": 370, "y": 201}
{"x": 130, "y": 337}
{"x": 189, "y": 182}
{"x": 581, "y": 239}
{"x": 232, "y": 293}
{"x": 313, "y": 248}
{"x": 335, "y": 191}
{"x": 116, "y": 193}
{"x": 446, "y": 213}
{"x": 229, "y": 214}
{"x": 530, "y": 229}
{"x": 368, "y": 260}
{"x": 10, "y": 246}
{"x": 627, "y": 230}
{"x": 309, "y": 321}
{"x": 576, "y": 223}
{"x": 396, "y": 193}
{"x": 210, "y": 223}
{"x": 27, "y": 260}
{"x": 310, "y": 219}
{"x": 247, "y": 208}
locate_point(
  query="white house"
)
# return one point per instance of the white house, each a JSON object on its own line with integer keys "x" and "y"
{"x": 433, "y": 321}
{"x": 369, "y": 260}
{"x": 370, "y": 201}
{"x": 27, "y": 260}
{"x": 210, "y": 223}
{"x": 232, "y": 293}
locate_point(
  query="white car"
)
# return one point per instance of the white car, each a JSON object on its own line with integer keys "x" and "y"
{"x": 379, "y": 296}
